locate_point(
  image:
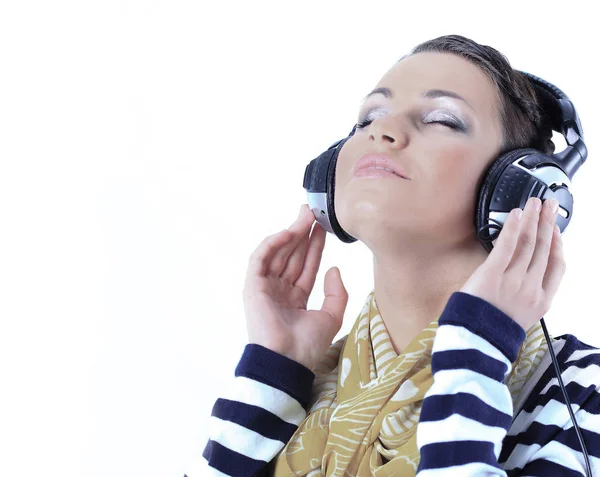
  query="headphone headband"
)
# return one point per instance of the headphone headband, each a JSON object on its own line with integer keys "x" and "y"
{"x": 564, "y": 119}
{"x": 556, "y": 104}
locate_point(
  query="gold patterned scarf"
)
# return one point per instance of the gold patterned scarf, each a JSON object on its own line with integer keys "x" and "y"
{"x": 366, "y": 402}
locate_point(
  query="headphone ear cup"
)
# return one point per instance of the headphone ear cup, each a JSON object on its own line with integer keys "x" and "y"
{"x": 319, "y": 182}
{"x": 511, "y": 191}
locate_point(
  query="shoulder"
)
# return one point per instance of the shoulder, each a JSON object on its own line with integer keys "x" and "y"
{"x": 543, "y": 426}
{"x": 576, "y": 352}
{"x": 579, "y": 365}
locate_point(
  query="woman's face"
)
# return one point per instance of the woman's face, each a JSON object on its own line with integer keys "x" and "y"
{"x": 444, "y": 161}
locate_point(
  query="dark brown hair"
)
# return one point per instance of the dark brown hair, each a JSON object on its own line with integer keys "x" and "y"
{"x": 521, "y": 116}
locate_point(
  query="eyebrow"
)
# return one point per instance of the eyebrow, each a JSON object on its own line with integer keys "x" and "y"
{"x": 429, "y": 94}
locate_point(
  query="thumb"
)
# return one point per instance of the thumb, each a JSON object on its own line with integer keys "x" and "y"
{"x": 336, "y": 296}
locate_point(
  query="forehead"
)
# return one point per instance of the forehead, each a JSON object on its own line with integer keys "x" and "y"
{"x": 432, "y": 70}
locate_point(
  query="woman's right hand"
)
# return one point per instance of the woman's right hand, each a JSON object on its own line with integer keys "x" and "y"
{"x": 280, "y": 278}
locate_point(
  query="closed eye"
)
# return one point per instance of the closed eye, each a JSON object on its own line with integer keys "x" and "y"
{"x": 364, "y": 123}
{"x": 452, "y": 125}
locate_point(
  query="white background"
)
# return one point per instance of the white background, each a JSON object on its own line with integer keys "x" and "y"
{"x": 147, "y": 147}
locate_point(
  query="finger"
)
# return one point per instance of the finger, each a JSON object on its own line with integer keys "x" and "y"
{"x": 505, "y": 245}
{"x": 295, "y": 261}
{"x": 299, "y": 229}
{"x": 527, "y": 239}
{"x": 539, "y": 261}
{"x": 556, "y": 265}
{"x": 312, "y": 262}
{"x": 336, "y": 296}
{"x": 262, "y": 256}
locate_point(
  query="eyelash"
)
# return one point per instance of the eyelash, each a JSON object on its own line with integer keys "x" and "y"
{"x": 365, "y": 122}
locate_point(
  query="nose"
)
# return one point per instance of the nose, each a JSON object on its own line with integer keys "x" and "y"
{"x": 390, "y": 131}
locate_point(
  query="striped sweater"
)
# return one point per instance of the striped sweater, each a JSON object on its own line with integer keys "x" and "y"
{"x": 467, "y": 419}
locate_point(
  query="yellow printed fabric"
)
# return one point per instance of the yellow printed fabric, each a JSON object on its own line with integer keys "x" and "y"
{"x": 366, "y": 402}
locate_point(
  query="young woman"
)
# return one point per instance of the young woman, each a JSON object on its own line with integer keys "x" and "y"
{"x": 446, "y": 370}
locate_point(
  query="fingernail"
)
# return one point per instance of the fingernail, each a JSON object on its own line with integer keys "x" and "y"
{"x": 538, "y": 204}
{"x": 553, "y": 205}
{"x": 519, "y": 213}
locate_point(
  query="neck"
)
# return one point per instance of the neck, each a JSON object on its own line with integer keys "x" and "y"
{"x": 412, "y": 290}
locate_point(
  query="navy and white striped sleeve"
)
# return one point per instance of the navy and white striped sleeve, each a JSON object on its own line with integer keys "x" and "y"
{"x": 258, "y": 415}
{"x": 468, "y": 410}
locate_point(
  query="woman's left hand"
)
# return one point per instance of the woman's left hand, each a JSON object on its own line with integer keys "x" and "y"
{"x": 524, "y": 269}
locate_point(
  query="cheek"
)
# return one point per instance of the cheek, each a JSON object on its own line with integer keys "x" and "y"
{"x": 451, "y": 167}
{"x": 450, "y": 178}
{"x": 345, "y": 165}
{"x": 343, "y": 174}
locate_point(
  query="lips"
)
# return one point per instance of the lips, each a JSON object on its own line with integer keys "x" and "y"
{"x": 380, "y": 160}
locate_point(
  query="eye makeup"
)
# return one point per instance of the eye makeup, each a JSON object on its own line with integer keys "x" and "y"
{"x": 447, "y": 118}
{"x": 437, "y": 116}
{"x": 445, "y": 110}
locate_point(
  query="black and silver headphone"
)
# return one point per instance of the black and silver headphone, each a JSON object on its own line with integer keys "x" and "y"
{"x": 509, "y": 182}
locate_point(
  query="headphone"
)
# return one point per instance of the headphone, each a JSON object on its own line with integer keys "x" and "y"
{"x": 508, "y": 183}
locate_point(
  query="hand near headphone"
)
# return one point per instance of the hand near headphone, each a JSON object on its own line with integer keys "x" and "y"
{"x": 524, "y": 269}
{"x": 280, "y": 278}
